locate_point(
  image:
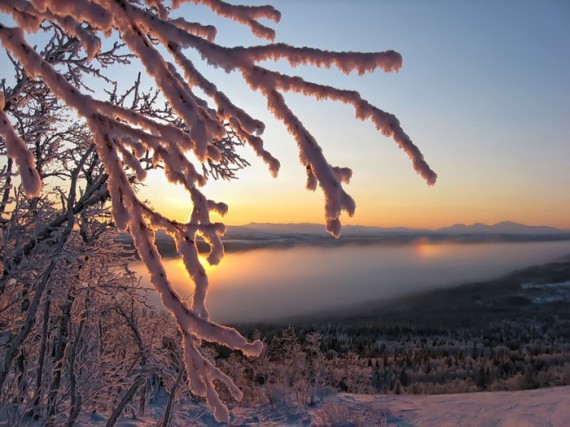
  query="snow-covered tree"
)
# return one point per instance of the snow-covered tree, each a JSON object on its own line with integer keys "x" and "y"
{"x": 204, "y": 125}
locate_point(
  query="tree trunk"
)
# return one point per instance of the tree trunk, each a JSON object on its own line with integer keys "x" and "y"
{"x": 127, "y": 397}
{"x": 43, "y": 348}
{"x": 168, "y": 411}
{"x": 132, "y": 323}
{"x": 59, "y": 353}
{"x": 16, "y": 341}
{"x": 76, "y": 399}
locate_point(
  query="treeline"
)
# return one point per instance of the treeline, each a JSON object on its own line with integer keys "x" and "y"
{"x": 365, "y": 357}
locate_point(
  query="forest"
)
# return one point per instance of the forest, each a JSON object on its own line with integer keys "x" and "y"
{"x": 511, "y": 333}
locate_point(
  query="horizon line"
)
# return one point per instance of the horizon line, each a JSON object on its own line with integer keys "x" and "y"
{"x": 404, "y": 227}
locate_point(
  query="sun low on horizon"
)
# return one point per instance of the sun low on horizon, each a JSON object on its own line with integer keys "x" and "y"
{"x": 484, "y": 92}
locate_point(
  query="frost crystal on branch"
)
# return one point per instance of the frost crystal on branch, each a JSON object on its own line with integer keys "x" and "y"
{"x": 123, "y": 137}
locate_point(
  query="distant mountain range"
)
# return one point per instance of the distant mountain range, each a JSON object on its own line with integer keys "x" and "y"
{"x": 258, "y": 235}
{"x": 507, "y": 228}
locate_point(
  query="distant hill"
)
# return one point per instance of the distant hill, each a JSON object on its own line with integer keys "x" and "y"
{"x": 257, "y": 235}
{"x": 506, "y": 227}
{"x": 267, "y": 230}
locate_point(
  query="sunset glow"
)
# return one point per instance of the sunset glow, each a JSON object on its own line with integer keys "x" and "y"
{"x": 320, "y": 212}
{"x": 497, "y": 134}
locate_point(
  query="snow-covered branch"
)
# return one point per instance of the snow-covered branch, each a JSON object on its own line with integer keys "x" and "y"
{"x": 127, "y": 139}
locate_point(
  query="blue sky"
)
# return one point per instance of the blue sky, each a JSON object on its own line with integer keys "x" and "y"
{"x": 484, "y": 92}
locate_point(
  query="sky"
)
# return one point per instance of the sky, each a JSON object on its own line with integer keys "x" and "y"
{"x": 484, "y": 93}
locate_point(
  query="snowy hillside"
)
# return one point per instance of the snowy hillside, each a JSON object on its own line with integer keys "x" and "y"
{"x": 544, "y": 407}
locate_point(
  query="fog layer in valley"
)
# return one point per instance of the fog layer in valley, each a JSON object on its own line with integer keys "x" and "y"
{"x": 274, "y": 283}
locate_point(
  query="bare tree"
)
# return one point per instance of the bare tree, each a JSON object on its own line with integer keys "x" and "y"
{"x": 126, "y": 140}
{"x": 53, "y": 288}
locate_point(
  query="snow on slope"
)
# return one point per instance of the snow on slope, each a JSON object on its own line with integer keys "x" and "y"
{"x": 529, "y": 408}
{"x": 543, "y": 407}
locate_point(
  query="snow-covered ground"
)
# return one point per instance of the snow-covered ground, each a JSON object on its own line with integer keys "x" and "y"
{"x": 544, "y": 407}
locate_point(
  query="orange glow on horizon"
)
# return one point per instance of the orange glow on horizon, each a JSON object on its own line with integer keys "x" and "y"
{"x": 284, "y": 200}
{"x": 432, "y": 217}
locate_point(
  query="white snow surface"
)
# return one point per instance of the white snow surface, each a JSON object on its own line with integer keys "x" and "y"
{"x": 542, "y": 407}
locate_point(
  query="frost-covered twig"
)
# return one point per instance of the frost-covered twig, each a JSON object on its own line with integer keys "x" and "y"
{"x": 127, "y": 139}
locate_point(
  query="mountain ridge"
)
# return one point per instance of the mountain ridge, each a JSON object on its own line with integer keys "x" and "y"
{"x": 504, "y": 227}
{"x": 259, "y": 235}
